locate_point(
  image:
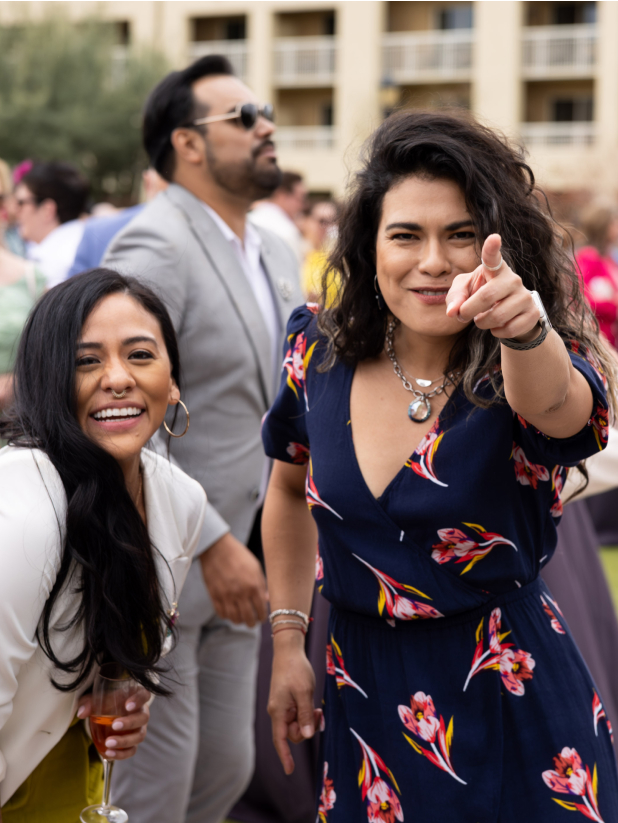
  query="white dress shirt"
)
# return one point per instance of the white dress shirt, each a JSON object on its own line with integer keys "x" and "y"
{"x": 55, "y": 254}
{"x": 271, "y": 216}
{"x": 248, "y": 255}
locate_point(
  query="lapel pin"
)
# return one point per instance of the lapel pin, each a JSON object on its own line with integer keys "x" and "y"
{"x": 285, "y": 288}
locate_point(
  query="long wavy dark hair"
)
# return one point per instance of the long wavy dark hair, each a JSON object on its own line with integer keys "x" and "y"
{"x": 108, "y": 557}
{"x": 501, "y": 196}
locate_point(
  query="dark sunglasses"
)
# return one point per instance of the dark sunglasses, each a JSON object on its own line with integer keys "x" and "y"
{"x": 246, "y": 113}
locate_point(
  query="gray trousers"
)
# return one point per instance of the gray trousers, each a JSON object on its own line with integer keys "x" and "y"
{"x": 198, "y": 756}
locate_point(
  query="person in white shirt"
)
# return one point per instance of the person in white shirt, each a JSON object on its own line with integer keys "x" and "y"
{"x": 97, "y": 535}
{"x": 281, "y": 212}
{"x": 50, "y": 200}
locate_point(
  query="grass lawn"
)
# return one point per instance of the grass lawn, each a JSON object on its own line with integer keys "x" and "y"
{"x": 609, "y": 556}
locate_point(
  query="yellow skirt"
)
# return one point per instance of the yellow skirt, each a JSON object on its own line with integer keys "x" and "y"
{"x": 65, "y": 782}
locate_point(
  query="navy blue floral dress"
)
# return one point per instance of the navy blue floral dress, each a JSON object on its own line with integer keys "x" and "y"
{"x": 455, "y": 692}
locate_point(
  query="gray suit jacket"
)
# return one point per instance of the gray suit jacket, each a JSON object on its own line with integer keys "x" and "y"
{"x": 175, "y": 247}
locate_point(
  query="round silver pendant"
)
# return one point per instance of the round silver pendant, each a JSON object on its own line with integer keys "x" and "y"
{"x": 419, "y": 410}
{"x": 423, "y": 383}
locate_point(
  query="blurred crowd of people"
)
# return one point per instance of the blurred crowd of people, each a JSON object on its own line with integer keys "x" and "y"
{"x": 193, "y": 237}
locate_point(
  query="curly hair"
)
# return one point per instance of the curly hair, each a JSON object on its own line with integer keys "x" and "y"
{"x": 501, "y": 196}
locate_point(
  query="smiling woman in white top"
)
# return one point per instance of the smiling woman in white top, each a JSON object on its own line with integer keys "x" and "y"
{"x": 96, "y": 534}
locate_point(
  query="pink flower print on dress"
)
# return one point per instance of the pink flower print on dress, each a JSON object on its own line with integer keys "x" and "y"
{"x": 327, "y": 797}
{"x": 339, "y": 670}
{"x": 600, "y": 423}
{"x": 298, "y": 453}
{"x": 569, "y": 777}
{"x": 403, "y": 608}
{"x": 552, "y": 610}
{"x": 457, "y": 544}
{"x": 557, "y": 483}
{"x": 330, "y": 664}
{"x": 421, "y": 461}
{"x": 421, "y": 719}
{"x": 515, "y": 665}
{"x": 312, "y": 495}
{"x": 296, "y": 362}
{"x": 383, "y": 805}
{"x": 319, "y": 567}
{"x": 527, "y": 473}
{"x": 598, "y": 712}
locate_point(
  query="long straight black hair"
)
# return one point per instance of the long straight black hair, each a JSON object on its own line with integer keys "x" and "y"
{"x": 107, "y": 557}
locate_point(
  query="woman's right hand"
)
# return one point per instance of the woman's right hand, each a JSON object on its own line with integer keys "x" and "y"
{"x": 290, "y": 704}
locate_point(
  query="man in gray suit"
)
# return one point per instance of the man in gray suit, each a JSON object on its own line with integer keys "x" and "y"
{"x": 229, "y": 288}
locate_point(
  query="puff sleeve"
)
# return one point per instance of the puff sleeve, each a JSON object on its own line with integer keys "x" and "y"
{"x": 284, "y": 427}
{"x": 570, "y": 451}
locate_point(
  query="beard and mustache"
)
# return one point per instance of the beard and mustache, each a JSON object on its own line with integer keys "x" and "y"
{"x": 246, "y": 178}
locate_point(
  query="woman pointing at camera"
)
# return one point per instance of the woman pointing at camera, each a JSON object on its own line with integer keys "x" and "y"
{"x": 428, "y": 419}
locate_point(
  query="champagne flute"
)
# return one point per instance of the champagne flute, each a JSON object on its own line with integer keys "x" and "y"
{"x": 112, "y": 688}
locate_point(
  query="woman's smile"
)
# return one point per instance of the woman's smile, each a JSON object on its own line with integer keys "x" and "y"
{"x": 118, "y": 416}
{"x": 431, "y": 297}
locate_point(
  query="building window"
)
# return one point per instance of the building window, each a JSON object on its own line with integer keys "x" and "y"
{"x": 327, "y": 114}
{"x": 329, "y": 23}
{"x": 219, "y": 28}
{"x": 235, "y": 29}
{"x": 572, "y": 14}
{"x": 122, "y": 32}
{"x": 572, "y": 109}
{"x": 456, "y": 17}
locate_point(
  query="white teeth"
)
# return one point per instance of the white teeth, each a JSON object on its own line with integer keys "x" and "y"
{"x": 431, "y": 293}
{"x": 130, "y": 411}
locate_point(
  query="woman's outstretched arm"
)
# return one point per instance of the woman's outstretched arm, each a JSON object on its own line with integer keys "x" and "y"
{"x": 289, "y": 538}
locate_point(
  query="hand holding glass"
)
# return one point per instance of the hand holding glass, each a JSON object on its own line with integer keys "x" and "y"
{"x": 112, "y": 691}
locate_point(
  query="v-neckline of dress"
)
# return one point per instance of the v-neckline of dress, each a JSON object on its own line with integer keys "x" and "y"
{"x": 350, "y": 437}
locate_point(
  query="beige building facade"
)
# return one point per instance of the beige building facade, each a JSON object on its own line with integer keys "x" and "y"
{"x": 544, "y": 72}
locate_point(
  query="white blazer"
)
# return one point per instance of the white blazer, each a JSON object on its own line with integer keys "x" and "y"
{"x": 34, "y": 715}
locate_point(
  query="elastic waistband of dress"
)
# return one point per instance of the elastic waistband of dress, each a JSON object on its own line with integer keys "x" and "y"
{"x": 535, "y": 588}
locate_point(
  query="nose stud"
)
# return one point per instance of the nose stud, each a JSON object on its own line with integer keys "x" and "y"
{"x": 118, "y": 396}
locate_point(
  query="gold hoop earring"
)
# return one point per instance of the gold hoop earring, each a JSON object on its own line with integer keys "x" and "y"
{"x": 170, "y": 432}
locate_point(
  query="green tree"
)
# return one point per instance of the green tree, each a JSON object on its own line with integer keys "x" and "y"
{"x": 69, "y": 92}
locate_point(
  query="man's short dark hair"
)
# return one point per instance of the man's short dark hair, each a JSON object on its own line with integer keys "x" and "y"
{"x": 289, "y": 181}
{"x": 171, "y": 105}
{"x": 61, "y": 182}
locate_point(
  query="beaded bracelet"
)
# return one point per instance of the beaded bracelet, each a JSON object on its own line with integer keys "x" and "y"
{"x": 292, "y": 612}
{"x": 297, "y": 627}
{"x": 294, "y": 621}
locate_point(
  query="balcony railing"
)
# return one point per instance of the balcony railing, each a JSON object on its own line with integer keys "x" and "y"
{"x": 428, "y": 55}
{"x": 559, "y": 51}
{"x": 305, "y": 61}
{"x": 236, "y": 52}
{"x": 304, "y": 138}
{"x": 558, "y": 134}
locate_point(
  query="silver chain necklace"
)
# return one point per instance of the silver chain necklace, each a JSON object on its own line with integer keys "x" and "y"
{"x": 419, "y": 409}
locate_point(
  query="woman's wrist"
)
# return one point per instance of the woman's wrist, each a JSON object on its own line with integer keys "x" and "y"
{"x": 289, "y": 641}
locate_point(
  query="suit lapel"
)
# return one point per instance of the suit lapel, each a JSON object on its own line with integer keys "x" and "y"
{"x": 228, "y": 270}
